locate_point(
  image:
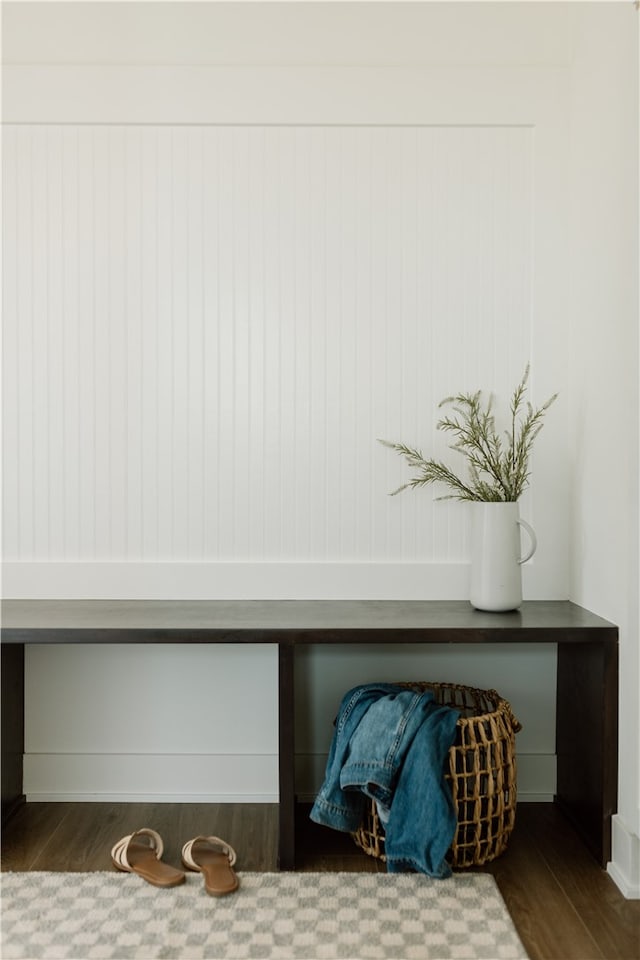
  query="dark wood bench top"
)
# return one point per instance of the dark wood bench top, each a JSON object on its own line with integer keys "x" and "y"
{"x": 295, "y": 622}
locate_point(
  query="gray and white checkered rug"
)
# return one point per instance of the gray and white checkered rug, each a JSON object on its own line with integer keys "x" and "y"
{"x": 280, "y": 916}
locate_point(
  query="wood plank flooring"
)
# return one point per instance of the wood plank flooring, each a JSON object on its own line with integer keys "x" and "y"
{"x": 563, "y": 904}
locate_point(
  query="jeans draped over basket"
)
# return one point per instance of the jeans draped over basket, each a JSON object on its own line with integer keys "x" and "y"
{"x": 391, "y": 744}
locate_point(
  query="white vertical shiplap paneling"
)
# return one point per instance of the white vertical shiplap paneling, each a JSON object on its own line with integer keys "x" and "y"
{"x": 206, "y": 328}
{"x": 12, "y": 496}
{"x": 107, "y": 377}
{"x": 85, "y": 263}
{"x": 71, "y": 359}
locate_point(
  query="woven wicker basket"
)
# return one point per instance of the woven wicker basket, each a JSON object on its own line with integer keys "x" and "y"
{"x": 482, "y": 776}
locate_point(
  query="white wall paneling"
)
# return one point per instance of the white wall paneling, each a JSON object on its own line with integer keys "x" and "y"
{"x": 210, "y": 327}
{"x": 224, "y": 281}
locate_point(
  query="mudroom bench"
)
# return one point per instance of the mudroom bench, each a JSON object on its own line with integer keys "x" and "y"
{"x": 586, "y": 693}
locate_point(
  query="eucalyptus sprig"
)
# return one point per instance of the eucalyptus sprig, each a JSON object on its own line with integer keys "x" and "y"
{"x": 498, "y": 465}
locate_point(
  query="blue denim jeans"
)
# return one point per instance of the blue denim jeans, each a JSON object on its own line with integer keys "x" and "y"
{"x": 391, "y": 744}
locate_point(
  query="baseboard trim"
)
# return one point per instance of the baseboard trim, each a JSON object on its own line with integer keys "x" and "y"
{"x": 208, "y": 778}
{"x": 536, "y": 776}
{"x": 138, "y": 778}
{"x": 308, "y": 798}
{"x": 151, "y": 798}
{"x": 624, "y": 868}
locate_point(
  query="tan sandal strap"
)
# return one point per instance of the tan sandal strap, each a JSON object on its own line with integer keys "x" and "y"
{"x": 119, "y": 851}
{"x": 187, "y": 856}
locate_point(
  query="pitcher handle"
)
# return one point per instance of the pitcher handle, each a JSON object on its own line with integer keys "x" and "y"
{"x": 534, "y": 542}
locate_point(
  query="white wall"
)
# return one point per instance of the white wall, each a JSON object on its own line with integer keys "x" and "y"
{"x": 604, "y": 371}
{"x": 194, "y": 381}
{"x": 224, "y": 319}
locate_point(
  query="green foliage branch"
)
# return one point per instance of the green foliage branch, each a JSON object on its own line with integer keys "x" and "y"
{"x": 498, "y": 466}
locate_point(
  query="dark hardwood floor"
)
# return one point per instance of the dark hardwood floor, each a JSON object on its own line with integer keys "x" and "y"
{"x": 563, "y": 904}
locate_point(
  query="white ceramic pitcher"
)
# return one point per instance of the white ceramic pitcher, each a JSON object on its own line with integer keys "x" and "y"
{"x": 496, "y": 561}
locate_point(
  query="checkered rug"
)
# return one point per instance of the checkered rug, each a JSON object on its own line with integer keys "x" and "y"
{"x": 284, "y": 916}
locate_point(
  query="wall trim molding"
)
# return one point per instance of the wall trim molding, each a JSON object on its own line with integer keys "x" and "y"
{"x": 210, "y": 778}
{"x": 235, "y": 581}
{"x": 248, "y": 581}
{"x": 279, "y": 94}
{"x": 624, "y": 868}
{"x": 126, "y": 778}
{"x": 536, "y": 776}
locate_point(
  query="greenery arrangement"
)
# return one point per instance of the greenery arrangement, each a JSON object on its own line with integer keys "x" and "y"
{"x": 498, "y": 469}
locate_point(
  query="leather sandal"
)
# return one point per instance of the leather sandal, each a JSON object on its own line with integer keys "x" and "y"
{"x": 214, "y": 858}
{"x": 140, "y": 853}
